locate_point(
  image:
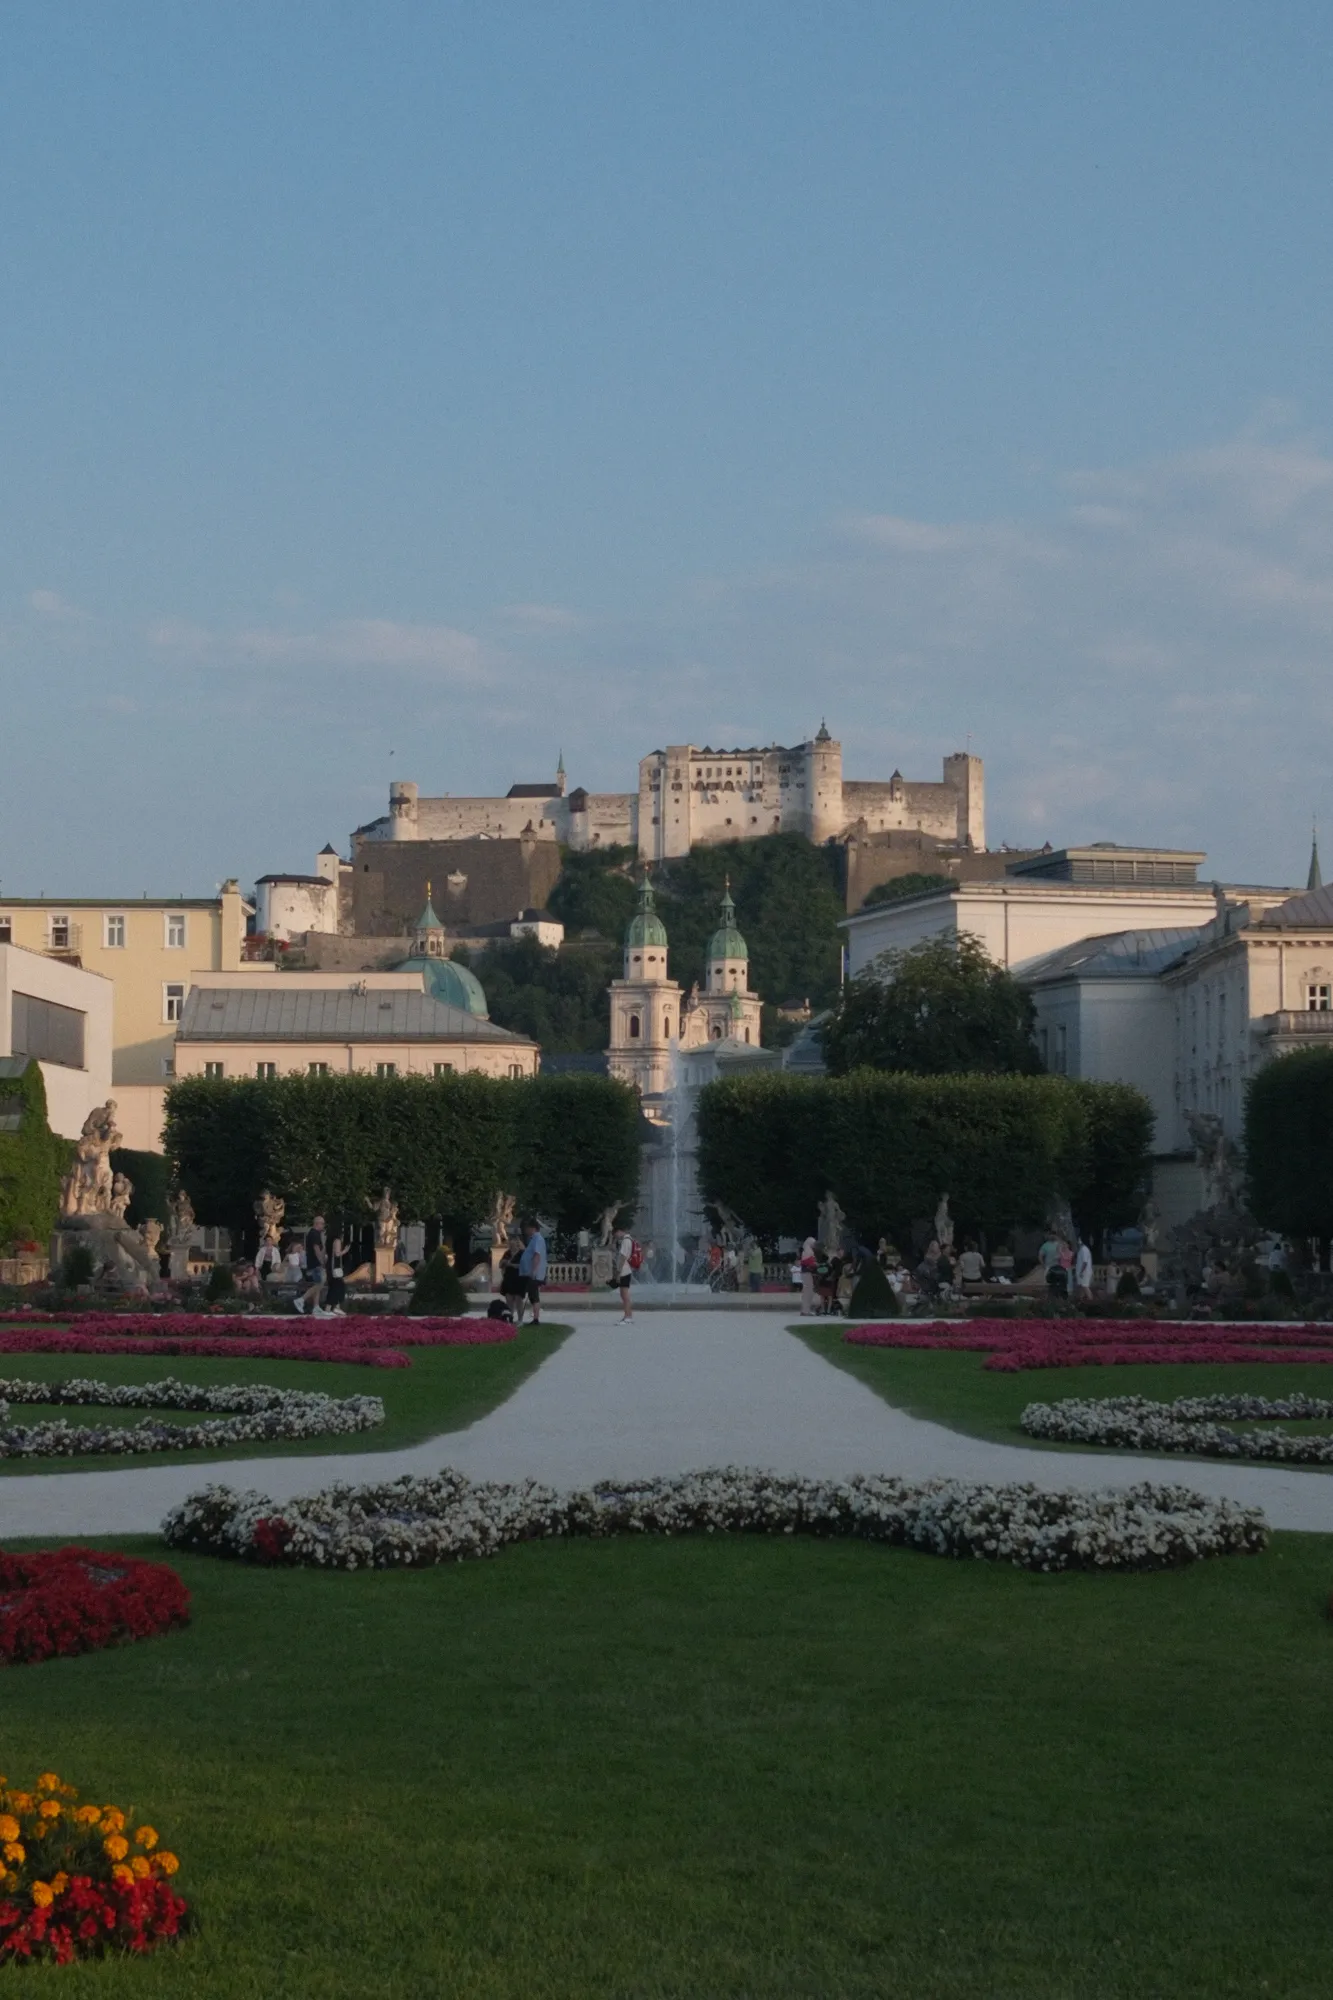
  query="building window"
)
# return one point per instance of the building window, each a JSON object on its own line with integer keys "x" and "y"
{"x": 319, "y": 1069}
{"x": 1061, "y": 1050}
{"x": 386, "y": 1069}
{"x": 173, "y": 1002}
{"x": 47, "y": 1031}
{"x": 515, "y": 1071}
{"x": 168, "y": 1066}
{"x": 444, "y": 1069}
{"x": 60, "y": 933}
{"x": 113, "y": 933}
{"x": 214, "y": 1069}
{"x": 1318, "y": 999}
{"x": 174, "y": 931}
{"x": 266, "y": 1072}
{"x": 635, "y": 1027}
{"x": 666, "y": 1027}
{"x": 6, "y": 930}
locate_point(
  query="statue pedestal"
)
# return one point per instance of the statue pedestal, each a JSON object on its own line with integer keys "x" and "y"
{"x": 180, "y": 1262}
{"x": 601, "y": 1268}
{"x": 1148, "y": 1259}
{"x": 385, "y": 1260}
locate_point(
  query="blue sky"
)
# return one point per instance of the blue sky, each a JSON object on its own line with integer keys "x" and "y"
{"x": 412, "y": 389}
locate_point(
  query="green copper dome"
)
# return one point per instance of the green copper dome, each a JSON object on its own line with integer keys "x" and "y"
{"x": 453, "y": 985}
{"x": 646, "y": 927}
{"x": 726, "y": 941}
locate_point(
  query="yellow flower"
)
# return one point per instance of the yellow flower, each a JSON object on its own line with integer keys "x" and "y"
{"x": 21, "y": 1800}
{"x": 88, "y": 1815}
{"x": 146, "y": 1837}
{"x": 113, "y": 1819}
{"x": 116, "y": 1846}
{"x": 49, "y": 1809}
{"x": 43, "y": 1895}
{"x": 122, "y": 1873}
{"x": 48, "y": 1782}
{"x": 60, "y": 1882}
{"x": 141, "y": 1866}
{"x": 15, "y": 1851}
{"x": 166, "y": 1861}
{"x": 9, "y": 1827}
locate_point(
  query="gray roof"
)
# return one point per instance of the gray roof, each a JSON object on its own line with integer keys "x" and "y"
{"x": 330, "y": 1014}
{"x": 1116, "y": 955}
{"x": 1313, "y": 910}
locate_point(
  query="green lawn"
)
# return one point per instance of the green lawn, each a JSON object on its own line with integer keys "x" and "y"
{"x": 725, "y": 1767}
{"x": 960, "y": 1391}
{"x": 444, "y": 1389}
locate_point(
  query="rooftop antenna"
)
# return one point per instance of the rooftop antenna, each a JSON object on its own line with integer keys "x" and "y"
{"x": 1314, "y": 879}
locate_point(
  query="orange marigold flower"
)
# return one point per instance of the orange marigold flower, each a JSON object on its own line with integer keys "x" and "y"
{"x": 11, "y": 1881}
{"x": 49, "y": 1809}
{"x": 142, "y": 1866}
{"x": 21, "y": 1801}
{"x": 9, "y": 1827}
{"x": 88, "y": 1815}
{"x": 146, "y": 1837}
{"x": 60, "y": 1882}
{"x": 166, "y": 1861}
{"x": 43, "y": 1895}
{"x": 122, "y": 1873}
{"x": 116, "y": 1846}
{"x": 15, "y": 1851}
{"x": 48, "y": 1782}
{"x": 113, "y": 1819}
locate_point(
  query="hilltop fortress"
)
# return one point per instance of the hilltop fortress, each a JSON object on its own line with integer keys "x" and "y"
{"x": 689, "y": 797}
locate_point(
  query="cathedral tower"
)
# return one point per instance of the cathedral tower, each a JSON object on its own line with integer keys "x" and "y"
{"x": 645, "y": 1004}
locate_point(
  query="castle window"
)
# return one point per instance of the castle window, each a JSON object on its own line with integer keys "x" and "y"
{"x": 635, "y": 1027}
{"x": 1319, "y": 999}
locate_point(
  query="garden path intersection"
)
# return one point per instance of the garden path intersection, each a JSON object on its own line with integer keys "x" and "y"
{"x": 671, "y": 1393}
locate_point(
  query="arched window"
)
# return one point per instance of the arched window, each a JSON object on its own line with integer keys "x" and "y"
{"x": 666, "y": 1027}
{"x": 747, "y": 1034}
{"x": 717, "y": 1034}
{"x": 635, "y": 1027}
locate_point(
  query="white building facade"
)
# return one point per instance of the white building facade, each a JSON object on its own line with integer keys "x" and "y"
{"x": 63, "y": 1017}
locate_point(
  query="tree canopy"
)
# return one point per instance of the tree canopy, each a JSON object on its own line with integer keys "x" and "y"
{"x": 1289, "y": 1144}
{"x": 913, "y": 884}
{"x": 940, "y": 1008}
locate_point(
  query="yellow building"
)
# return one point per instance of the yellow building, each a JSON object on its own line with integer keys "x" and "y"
{"x": 152, "y": 951}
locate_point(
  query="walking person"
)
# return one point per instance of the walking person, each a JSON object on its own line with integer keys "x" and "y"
{"x": 809, "y": 1265}
{"x": 624, "y": 1255}
{"x": 532, "y": 1269}
{"x": 316, "y": 1268}
{"x": 1083, "y": 1270}
{"x": 755, "y": 1264}
{"x": 337, "y": 1280}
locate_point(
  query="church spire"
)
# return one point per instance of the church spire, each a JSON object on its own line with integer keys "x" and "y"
{"x": 1314, "y": 880}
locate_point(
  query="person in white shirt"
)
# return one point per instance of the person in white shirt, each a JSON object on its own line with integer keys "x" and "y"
{"x": 624, "y": 1253}
{"x": 1083, "y": 1271}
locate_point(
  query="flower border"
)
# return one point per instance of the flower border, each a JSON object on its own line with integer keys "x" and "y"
{"x": 413, "y": 1522}
{"x": 1190, "y": 1424}
{"x": 257, "y": 1412}
{"x": 76, "y": 1600}
{"x": 1012, "y": 1345}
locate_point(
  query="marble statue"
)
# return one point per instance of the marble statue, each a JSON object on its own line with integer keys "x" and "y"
{"x": 182, "y": 1217}
{"x": 151, "y": 1232}
{"x": 386, "y": 1220}
{"x": 269, "y": 1211}
{"x": 606, "y": 1226}
{"x": 832, "y": 1224}
{"x": 122, "y": 1189}
{"x": 1150, "y": 1222}
{"x": 732, "y": 1228}
{"x": 502, "y": 1218}
{"x": 1216, "y": 1156}
{"x": 87, "y": 1188}
{"x": 944, "y": 1225}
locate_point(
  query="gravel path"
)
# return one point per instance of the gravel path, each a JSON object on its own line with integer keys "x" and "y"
{"x": 673, "y": 1392}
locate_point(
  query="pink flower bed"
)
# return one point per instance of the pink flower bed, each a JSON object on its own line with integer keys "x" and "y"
{"x": 1015, "y": 1344}
{"x": 370, "y": 1343}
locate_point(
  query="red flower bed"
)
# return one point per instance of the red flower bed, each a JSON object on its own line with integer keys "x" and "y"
{"x": 1016, "y": 1344}
{"x": 80, "y": 1880}
{"x": 78, "y": 1600}
{"x": 371, "y": 1343}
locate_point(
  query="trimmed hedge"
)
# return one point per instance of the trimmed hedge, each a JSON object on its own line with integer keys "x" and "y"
{"x": 1289, "y": 1144}
{"x": 888, "y": 1145}
{"x": 32, "y": 1161}
{"x": 566, "y": 1146}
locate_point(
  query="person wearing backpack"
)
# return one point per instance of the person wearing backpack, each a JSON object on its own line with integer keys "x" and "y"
{"x": 626, "y": 1252}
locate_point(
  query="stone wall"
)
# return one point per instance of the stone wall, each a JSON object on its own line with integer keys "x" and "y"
{"x": 471, "y": 881}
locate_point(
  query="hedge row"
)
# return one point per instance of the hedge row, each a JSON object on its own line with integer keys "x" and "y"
{"x": 888, "y": 1145}
{"x": 566, "y": 1146}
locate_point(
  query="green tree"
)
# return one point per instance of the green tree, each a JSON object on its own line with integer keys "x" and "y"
{"x": 914, "y": 884}
{"x": 596, "y": 892}
{"x": 942, "y": 1008}
{"x": 1289, "y": 1144}
{"x": 32, "y": 1156}
{"x": 559, "y": 998}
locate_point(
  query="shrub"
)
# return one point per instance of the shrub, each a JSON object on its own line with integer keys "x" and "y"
{"x": 1280, "y": 1285}
{"x": 221, "y": 1283}
{"x": 438, "y": 1288}
{"x": 1289, "y": 1144}
{"x": 1127, "y": 1285}
{"x": 873, "y": 1297}
{"x": 32, "y": 1157}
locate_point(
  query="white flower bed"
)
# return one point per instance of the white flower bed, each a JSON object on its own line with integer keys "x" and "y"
{"x": 1191, "y": 1423}
{"x": 255, "y": 1413}
{"x": 413, "y": 1522}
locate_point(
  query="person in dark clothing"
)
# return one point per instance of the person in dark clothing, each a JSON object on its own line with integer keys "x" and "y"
{"x": 316, "y": 1268}
{"x": 337, "y": 1281}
